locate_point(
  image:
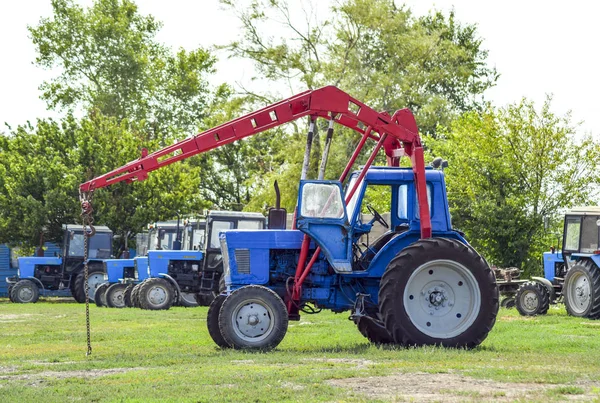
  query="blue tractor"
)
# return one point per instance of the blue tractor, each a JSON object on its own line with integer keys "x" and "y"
{"x": 40, "y": 274}
{"x": 420, "y": 283}
{"x": 192, "y": 276}
{"x": 122, "y": 275}
{"x": 572, "y": 273}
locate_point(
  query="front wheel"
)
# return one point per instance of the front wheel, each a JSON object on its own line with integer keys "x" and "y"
{"x": 254, "y": 318}
{"x": 532, "y": 299}
{"x": 212, "y": 321}
{"x": 156, "y": 294}
{"x": 438, "y": 291}
{"x": 24, "y": 292}
{"x": 188, "y": 300}
{"x": 115, "y": 296}
{"x": 374, "y": 330}
{"x": 100, "y": 295}
{"x": 127, "y": 296}
{"x": 582, "y": 290}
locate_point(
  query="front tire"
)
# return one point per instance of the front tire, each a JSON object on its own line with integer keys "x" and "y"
{"x": 24, "y": 292}
{"x": 156, "y": 294}
{"x": 115, "y": 295}
{"x": 253, "y": 318}
{"x": 100, "y": 295}
{"x": 212, "y": 321}
{"x": 532, "y": 299}
{"x": 127, "y": 296}
{"x": 188, "y": 300}
{"x": 582, "y": 290}
{"x": 438, "y": 291}
{"x": 95, "y": 279}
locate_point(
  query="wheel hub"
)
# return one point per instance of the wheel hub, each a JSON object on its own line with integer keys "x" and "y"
{"x": 580, "y": 293}
{"x": 253, "y": 320}
{"x": 157, "y": 295}
{"x": 530, "y": 301}
{"x": 25, "y": 294}
{"x": 442, "y": 298}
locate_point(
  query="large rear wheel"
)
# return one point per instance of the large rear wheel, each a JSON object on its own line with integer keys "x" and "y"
{"x": 438, "y": 291}
{"x": 582, "y": 290}
{"x": 95, "y": 279}
{"x": 254, "y": 318}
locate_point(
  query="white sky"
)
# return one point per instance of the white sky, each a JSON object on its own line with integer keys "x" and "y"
{"x": 539, "y": 47}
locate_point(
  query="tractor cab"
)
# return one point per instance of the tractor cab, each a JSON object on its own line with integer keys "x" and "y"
{"x": 162, "y": 235}
{"x": 194, "y": 234}
{"x": 581, "y": 234}
{"x": 339, "y": 228}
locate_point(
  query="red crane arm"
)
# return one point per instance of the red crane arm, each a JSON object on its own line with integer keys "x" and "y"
{"x": 326, "y": 102}
{"x": 321, "y": 102}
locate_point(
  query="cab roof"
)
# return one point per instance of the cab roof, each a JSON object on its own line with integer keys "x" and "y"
{"x": 79, "y": 228}
{"x": 384, "y": 173}
{"x": 584, "y": 210}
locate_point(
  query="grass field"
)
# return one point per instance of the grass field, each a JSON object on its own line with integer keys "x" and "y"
{"x": 169, "y": 356}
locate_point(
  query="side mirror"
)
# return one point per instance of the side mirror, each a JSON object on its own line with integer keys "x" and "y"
{"x": 71, "y": 235}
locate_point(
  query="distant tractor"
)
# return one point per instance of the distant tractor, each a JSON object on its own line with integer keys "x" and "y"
{"x": 39, "y": 274}
{"x": 572, "y": 273}
{"x": 420, "y": 283}
{"x": 175, "y": 275}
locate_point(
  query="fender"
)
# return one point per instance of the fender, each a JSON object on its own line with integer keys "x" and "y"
{"x": 37, "y": 281}
{"x": 172, "y": 281}
{"x": 546, "y": 283}
{"x": 596, "y": 259}
{"x": 393, "y": 247}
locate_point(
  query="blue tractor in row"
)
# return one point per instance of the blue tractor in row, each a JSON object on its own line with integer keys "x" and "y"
{"x": 37, "y": 274}
{"x": 420, "y": 283}
{"x": 571, "y": 273}
{"x": 191, "y": 276}
{"x": 121, "y": 274}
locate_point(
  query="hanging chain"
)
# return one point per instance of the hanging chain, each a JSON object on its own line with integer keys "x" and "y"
{"x": 88, "y": 232}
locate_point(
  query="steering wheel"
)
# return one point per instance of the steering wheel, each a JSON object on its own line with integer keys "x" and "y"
{"x": 377, "y": 217}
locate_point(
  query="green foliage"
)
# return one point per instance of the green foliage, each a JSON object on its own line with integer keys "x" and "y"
{"x": 511, "y": 167}
{"x": 43, "y": 166}
{"x": 110, "y": 61}
{"x": 379, "y": 53}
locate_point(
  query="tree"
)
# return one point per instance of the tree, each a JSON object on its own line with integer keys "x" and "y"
{"x": 42, "y": 168}
{"x": 376, "y": 51}
{"x": 110, "y": 61}
{"x": 379, "y": 53}
{"x": 511, "y": 167}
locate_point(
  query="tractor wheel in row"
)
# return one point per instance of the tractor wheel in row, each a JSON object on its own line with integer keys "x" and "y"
{"x": 438, "y": 291}
{"x": 156, "y": 294}
{"x": 581, "y": 290}
{"x": 24, "y": 292}
{"x": 212, "y": 321}
{"x": 95, "y": 279}
{"x": 508, "y": 302}
{"x": 205, "y": 298}
{"x": 135, "y": 295}
{"x": 532, "y": 299}
{"x": 100, "y": 294}
{"x": 374, "y": 330}
{"x": 115, "y": 295}
{"x": 127, "y": 296}
{"x": 254, "y": 318}
{"x": 10, "y": 286}
{"x": 188, "y": 300}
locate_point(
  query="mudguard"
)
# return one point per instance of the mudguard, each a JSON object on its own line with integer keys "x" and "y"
{"x": 546, "y": 283}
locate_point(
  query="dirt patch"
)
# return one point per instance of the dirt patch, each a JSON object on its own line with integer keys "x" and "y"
{"x": 13, "y": 316}
{"x": 423, "y": 387}
{"x": 41, "y": 376}
{"x": 355, "y": 363}
{"x": 516, "y": 318}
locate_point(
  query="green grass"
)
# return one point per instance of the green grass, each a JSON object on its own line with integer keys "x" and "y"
{"x": 169, "y": 356}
